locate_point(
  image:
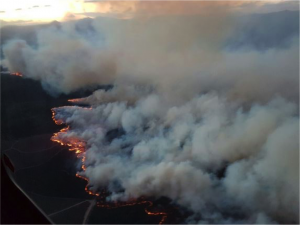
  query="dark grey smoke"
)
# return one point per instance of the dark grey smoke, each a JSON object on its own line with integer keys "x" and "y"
{"x": 264, "y": 31}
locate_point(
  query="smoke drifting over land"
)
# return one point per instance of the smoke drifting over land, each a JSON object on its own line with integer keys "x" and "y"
{"x": 114, "y": 46}
{"x": 182, "y": 109}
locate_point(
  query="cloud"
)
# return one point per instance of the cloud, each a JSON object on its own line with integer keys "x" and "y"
{"x": 91, "y": 1}
{"x": 271, "y": 6}
{"x": 123, "y": 9}
{"x": 4, "y": 23}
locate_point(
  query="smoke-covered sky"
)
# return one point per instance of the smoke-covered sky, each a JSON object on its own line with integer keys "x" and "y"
{"x": 197, "y": 89}
{"x": 15, "y": 12}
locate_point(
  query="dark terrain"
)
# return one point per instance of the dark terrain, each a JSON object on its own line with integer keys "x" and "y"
{"x": 39, "y": 183}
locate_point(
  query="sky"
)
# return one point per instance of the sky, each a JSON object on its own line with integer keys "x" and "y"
{"x": 34, "y": 10}
{"x": 39, "y": 11}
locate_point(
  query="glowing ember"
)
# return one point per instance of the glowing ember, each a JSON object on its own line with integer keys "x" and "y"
{"x": 79, "y": 146}
{"x": 73, "y": 143}
{"x": 75, "y": 100}
{"x": 57, "y": 122}
{"x": 17, "y": 74}
{"x": 136, "y": 202}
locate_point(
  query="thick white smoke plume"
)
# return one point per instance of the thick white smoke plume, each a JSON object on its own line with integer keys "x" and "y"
{"x": 181, "y": 110}
{"x": 118, "y": 50}
{"x": 161, "y": 149}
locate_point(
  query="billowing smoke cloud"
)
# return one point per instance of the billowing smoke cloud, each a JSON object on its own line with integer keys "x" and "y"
{"x": 182, "y": 109}
{"x": 128, "y": 9}
{"x": 159, "y": 149}
{"x": 114, "y": 49}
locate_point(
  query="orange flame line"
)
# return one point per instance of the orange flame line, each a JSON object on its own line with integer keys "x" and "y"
{"x": 78, "y": 146}
{"x": 57, "y": 122}
{"x": 75, "y": 100}
{"x": 124, "y": 204}
{"x": 17, "y": 74}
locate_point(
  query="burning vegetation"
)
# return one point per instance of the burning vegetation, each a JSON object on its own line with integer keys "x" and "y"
{"x": 17, "y": 74}
{"x": 75, "y": 100}
{"x": 79, "y": 146}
